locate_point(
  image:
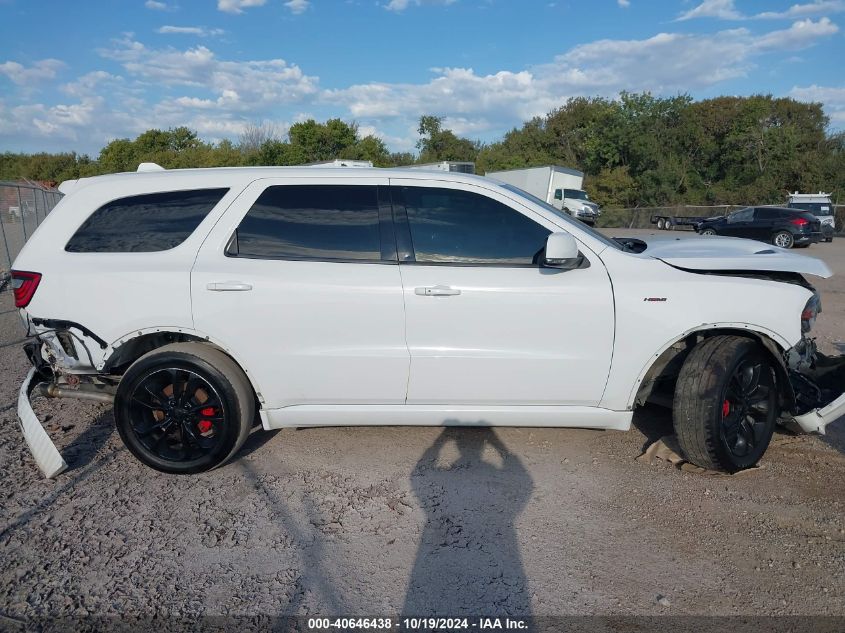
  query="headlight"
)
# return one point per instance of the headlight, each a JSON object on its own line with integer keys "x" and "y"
{"x": 811, "y": 311}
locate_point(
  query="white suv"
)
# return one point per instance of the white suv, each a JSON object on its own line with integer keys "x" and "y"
{"x": 200, "y": 300}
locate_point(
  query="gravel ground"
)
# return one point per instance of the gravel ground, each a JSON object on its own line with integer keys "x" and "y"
{"x": 419, "y": 520}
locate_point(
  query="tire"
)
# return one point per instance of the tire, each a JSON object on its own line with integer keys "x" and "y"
{"x": 828, "y": 240}
{"x": 184, "y": 408}
{"x": 708, "y": 232}
{"x": 783, "y": 239}
{"x": 726, "y": 403}
{"x": 661, "y": 224}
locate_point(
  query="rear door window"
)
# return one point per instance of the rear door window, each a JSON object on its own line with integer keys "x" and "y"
{"x": 311, "y": 222}
{"x": 768, "y": 214}
{"x": 146, "y": 223}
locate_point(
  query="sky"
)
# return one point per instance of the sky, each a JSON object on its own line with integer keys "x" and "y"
{"x": 76, "y": 74}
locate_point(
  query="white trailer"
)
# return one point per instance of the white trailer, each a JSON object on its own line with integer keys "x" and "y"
{"x": 561, "y": 187}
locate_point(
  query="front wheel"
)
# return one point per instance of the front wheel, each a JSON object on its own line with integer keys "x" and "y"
{"x": 708, "y": 232}
{"x": 726, "y": 403}
{"x": 783, "y": 239}
{"x": 184, "y": 408}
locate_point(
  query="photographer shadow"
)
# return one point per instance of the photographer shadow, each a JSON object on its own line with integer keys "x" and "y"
{"x": 468, "y": 561}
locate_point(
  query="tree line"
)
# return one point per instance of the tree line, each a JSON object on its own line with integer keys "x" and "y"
{"x": 636, "y": 150}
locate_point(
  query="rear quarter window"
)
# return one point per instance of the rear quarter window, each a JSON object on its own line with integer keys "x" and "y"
{"x": 146, "y": 223}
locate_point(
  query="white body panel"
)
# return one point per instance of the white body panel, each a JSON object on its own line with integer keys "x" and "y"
{"x": 310, "y": 332}
{"x": 511, "y": 335}
{"x": 446, "y": 415}
{"x": 657, "y": 305}
{"x": 117, "y": 294}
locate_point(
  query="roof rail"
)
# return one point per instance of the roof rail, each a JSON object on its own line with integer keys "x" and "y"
{"x": 149, "y": 167}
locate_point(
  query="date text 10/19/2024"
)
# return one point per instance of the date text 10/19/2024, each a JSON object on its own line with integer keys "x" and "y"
{"x": 417, "y": 624}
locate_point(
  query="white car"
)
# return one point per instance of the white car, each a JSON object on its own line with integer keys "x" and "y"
{"x": 201, "y": 300}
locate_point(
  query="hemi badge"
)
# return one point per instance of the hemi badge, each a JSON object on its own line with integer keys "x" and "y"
{"x": 655, "y": 299}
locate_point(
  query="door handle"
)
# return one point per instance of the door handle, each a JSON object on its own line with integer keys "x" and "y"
{"x": 436, "y": 291}
{"x": 228, "y": 286}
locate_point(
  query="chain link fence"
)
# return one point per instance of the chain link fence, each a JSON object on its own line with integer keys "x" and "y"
{"x": 23, "y": 206}
{"x": 640, "y": 217}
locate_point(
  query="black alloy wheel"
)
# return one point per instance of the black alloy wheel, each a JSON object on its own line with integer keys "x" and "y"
{"x": 177, "y": 415}
{"x": 749, "y": 401}
{"x": 184, "y": 408}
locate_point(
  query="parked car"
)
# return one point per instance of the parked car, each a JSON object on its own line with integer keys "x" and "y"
{"x": 199, "y": 300}
{"x": 820, "y": 205}
{"x": 777, "y": 225}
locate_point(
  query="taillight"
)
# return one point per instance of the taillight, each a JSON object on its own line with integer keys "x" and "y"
{"x": 799, "y": 221}
{"x": 24, "y": 285}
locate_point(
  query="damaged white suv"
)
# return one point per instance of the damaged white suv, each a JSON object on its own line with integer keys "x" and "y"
{"x": 199, "y": 301}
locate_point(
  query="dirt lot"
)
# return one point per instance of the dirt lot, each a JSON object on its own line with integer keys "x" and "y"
{"x": 419, "y": 520}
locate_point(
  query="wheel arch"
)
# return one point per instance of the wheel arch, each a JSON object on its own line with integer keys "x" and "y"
{"x": 129, "y": 348}
{"x": 674, "y": 352}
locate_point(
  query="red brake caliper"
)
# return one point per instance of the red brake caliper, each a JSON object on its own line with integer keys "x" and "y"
{"x": 726, "y": 408}
{"x": 204, "y": 426}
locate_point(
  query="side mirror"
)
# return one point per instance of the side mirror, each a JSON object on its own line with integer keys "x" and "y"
{"x": 562, "y": 252}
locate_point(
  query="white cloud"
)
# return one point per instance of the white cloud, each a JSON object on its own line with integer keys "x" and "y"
{"x": 832, "y": 98}
{"x": 85, "y": 85}
{"x": 800, "y": 10}
{"x": 722, "y": 9}
{"x": 201, "y": 31}
{"x": 298, "y": 6}
{"x": 801, "y": 34}
{"x": 39, "y": 71}
{"x": 624, "y": 3}
{"x": 725, "y": 10}
{"x": 401, "y": 5}
{"x": 262, "y": 84}
{"x": 238, "y": 6}
{"x": 155, "y": 5}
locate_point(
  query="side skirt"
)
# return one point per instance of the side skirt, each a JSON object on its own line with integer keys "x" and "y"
{"x": 445, "y": 415}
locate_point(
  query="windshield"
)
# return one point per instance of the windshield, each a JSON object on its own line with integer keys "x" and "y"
{"x": 575, "y": 194}
{"x": 816, "y": 208}
{"x": 564, "y": 216}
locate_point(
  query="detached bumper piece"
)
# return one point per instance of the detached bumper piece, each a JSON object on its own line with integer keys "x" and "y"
{"x": 46, "y": 454}
{"x": 819, "y": 393}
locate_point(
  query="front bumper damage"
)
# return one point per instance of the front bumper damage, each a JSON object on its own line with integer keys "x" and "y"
{"x": 818, "y": 383}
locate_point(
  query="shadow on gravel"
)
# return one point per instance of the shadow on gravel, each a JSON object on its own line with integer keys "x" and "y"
{"x": 313, "y": 576}
{"x": 82, "y": 450}
{"x": 81, "y": 476}
{"x": 654, "y": 422}
{"x": 258, "y": 437}
{"x": 468, "y": 559}
{"x": 835, "y": 435}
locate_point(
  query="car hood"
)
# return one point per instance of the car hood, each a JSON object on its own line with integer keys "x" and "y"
{"x": 730, "y": 253}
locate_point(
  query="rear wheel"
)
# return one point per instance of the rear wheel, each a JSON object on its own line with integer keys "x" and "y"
{"x": 661, "y": 224}
{"x": 184, "y": 408}
{"x": 783, "y": 239}
{"x": 726, "y": 403}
